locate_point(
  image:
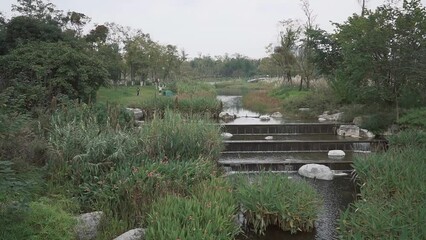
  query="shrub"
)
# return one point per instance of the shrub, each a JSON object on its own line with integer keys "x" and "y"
{"x": 208, "y": 214}
{"x": 414, "y": 118}
{"x": 273, "y": 199}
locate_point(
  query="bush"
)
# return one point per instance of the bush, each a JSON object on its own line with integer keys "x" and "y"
{"x": 273, "y": 199}
{"x": 414, "y": 118}
{"x": 260, "y": 101}
{"x": 208, "y": 214}
{"x": 391, "y": 204}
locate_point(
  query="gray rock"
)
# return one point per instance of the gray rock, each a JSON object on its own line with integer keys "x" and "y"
{"x": 304, "y": 109}
{"x": 87, "y": 225}
{"x": 134, "y": 234}
{"x": 138, "y": 114}
{"x": 226, "y": 116}
{"x": 348, "y": 131}
{"x": 331, "y": 117}
{"x": 358, "y": 120}
{"x": 316, "y": 171}
{"x": 364, "y": 133}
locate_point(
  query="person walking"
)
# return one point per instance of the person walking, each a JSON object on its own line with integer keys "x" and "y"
{"x": 137, "y": 91}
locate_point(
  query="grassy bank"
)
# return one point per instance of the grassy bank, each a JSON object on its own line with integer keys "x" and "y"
{"x": 393, "y": 193}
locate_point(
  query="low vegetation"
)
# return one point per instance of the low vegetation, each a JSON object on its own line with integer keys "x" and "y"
{"x": 273, "y": 199}
{"x": 391, "y": 204}
{"x": 207, "y": 214}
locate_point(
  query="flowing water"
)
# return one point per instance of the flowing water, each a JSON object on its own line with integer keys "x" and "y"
{"x": 336, "y": 194}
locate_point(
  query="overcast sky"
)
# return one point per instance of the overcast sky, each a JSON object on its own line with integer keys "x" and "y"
{"x": 210, "y": 27}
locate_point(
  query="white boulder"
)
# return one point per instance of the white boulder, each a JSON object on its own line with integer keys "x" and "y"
{"x": 276, "y": 115}
{"x": 264, "y": 118}
{"x": 316, "y": 171}
{"x": 336, "y": 153}
{"x": 226, "y": 135}
{"x": 134, "y": 234}
{"x": 304, "y": 109}
{"x": 269, "y": 138}
{"x": 87, "y": 225}
{"x": 322, "y": 119}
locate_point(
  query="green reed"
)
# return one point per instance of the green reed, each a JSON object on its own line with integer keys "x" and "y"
{"x": 392, "y": 193}
{"x": 273, "y": 199}
{"x": 208, "y": 214}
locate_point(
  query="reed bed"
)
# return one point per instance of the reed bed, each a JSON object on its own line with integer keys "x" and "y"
{"x": 273, "y": 199}
{"x": 123, "y": 170}
{"x": 208, "y": 214}
{"x": 175, "y": 137}
{"x": 392, "y": 193}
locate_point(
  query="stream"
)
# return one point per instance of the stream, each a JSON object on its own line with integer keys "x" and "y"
{"x": 336, "y": 194}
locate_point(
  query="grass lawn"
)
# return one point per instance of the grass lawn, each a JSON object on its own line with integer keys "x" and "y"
{"x": 126, "y": 95}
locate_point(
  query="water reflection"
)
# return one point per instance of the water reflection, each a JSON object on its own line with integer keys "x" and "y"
{"x": 234, "y": 106}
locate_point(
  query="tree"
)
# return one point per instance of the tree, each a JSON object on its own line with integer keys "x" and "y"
{"x": 38, "y": 9}
{"x": 23, "y": 29}
{"x": 39, "y": 72}
{"x": 383, "y": 54}
{"x": 305, "y": 53}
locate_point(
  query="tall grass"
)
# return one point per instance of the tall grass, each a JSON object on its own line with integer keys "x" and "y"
{"x": 130, "y": 191}
{"x": 208, "y": 214}
{"x": 175, "y": 137}
{"x": 391, "y": 204}
{"x": 272, "y": 199}
{"x": 123, "y": 170}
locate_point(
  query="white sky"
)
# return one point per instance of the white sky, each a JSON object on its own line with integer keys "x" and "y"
{"x": 210, "y": 27}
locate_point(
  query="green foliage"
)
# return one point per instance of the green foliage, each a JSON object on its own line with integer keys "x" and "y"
{"x": 24, "y": 29}
{"x": 318, "y": 100}
{"x": 378, "y": 122}
{"x": 391, "y": 204}
{"x": 41, "y": 71}
{"x": 381, "y": 57}
{"x": 272, "y": 199}
{"x": 40, "y": 220}
{"x": 124, "y": 169}
{"x": 408, "y": 138}
{"x": 208, "y": 214}
{"x": 414, "y": 118}
{"x": 177, "y": 138}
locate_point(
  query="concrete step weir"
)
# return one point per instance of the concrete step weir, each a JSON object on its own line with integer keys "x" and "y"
{"x": 260, "y": 146}
{"x": 290, "y": 128}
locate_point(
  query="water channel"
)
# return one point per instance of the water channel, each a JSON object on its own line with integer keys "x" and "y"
{"x": 336, "y": 194}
